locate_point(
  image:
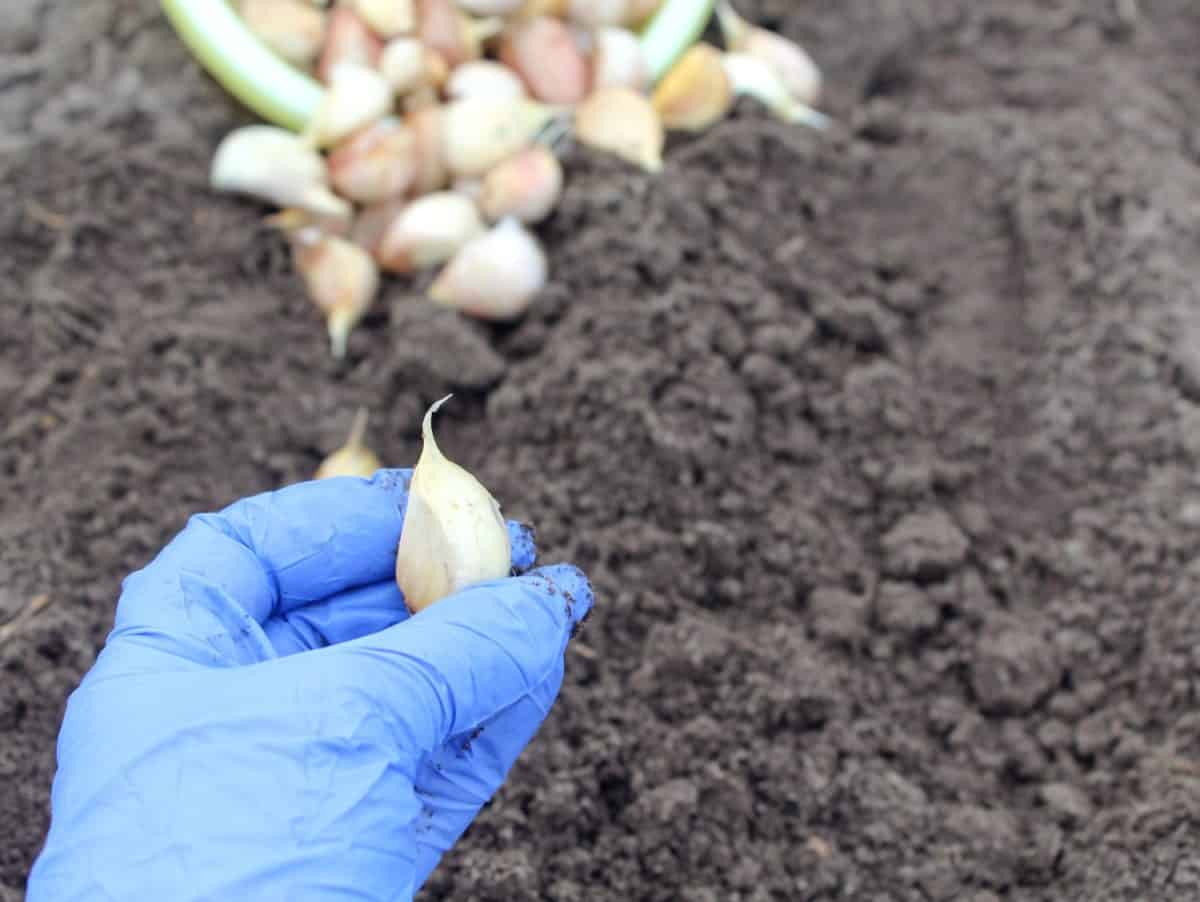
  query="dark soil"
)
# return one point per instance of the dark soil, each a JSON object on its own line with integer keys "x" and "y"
{"x": 880, "y": 446}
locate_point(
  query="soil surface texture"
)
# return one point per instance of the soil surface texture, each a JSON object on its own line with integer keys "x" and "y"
{"x": 880, "y": 446}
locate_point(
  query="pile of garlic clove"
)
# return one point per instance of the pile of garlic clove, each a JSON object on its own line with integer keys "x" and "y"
{"x": 434, "y": 143}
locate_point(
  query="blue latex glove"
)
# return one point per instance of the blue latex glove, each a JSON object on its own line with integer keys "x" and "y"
{"x": 266, "y": 722}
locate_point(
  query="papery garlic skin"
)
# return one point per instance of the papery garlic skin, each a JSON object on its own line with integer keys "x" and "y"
{"x": 357, "y": 96}
{"x": 622, "y": 122}
{"x": 429, "y": 231}
{"x": 484, "y": 80}
{"x": 293, "y": 29}
{"x": 277, "y": 166}
{"x": 453, "y": 535}
{"x": 354, "y": 458}
{"x": 496, "y": 276}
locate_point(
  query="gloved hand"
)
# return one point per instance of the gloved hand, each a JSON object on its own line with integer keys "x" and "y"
{"x": 265, "y": 721}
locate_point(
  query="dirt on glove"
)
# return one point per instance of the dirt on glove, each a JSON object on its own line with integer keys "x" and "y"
{"x": 879, "y": 445}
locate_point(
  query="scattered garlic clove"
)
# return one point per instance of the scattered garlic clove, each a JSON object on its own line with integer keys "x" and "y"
{"x": 277, "y": 166}
{"x": 293, "y": 29}
{"x": 695, "y": 92}
{"x": 432, "y": 173}
{"x": 751, "y": 77}
{"x": 374, "y": 164}
{"x": 452, "y": 33}
{"x": 526, "y": 186}
{"x": 357, "y": 96}
{"x": 428, "y": 231}
{"x": 403, "y": 64}
{"x": 791, "y": 63}
{"x": 484, "y": 79}
{"x": 354, "y": 458}
{"x": 348, "y": 39}
{"x": 372, "y": 222}
{"x": 618, "y": 60}
{"x": 623, "y": 122}
{"x": 598, "y": 13}
{"x": 478, "y": 134}
{"x": 545, "y": 54}
{"x": 490, "y": 7}
{"x": 387, "y": 18}
{"x": 453, "y": 535}
{"x": 341, "y": 279}
{"x": 494, "y": 276}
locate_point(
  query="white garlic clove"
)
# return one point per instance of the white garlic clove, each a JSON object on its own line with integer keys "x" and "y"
{"x": 388, "y": 18}
{"x": 527, "y": 185}
{"x": 357, "y": 96}
{"x": 292, "y": 28}
{"x": 622, "y": 122}
{"x": 484, "y": 80}
{"x": 277, "y": 166}
{"x": 751, "y": 77}
{"x": 453, "y": 535}
{"x": 429, "y": 231}
{"x": 353, "y": 458}
{"x": 404, "y": 64}
{"x": 376, "y": 163}
{"x": 618, "y": 60}
{"x": 790, "y": 62}
{"x": 495, "y": 276}
{"x": 478, "y": 134}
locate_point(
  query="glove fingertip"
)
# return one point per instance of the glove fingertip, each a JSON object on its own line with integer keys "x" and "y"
{"x": 567, "y": 583}
{"x": 523, "y": 540}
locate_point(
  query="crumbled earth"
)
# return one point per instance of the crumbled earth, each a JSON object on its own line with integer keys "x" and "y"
{"x": 879, "y": 445}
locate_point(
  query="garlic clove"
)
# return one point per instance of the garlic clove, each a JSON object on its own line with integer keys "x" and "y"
{"x": 751, "y": 77}
{"x": 357, "y": 96}
{"x": 341, "y": 278}
{"x": 428, "y": 231}
{"x": 695, "y": 92}
{"x": 495, "y": 276}
{"x": 353, "y": 458}
{"x": 532, "y": 9}
{"x": 372, "y": 222}
{"x": 490, "y": 7}
{"x": 546, "y": 55}
{"x": 387, "y": 18}
{"x": 458, "y": 37}
{"x": 618, "y": 60}
{"x": 402, "y": 64}
{"x": 526, "y": 186}
{"x": 598, "y": 13}
{"x": 453, "y": 535}
{"x": 293, "y": 29}
{"x": 484, "y": 79}
{"x": 432, "y": 172}
{"x": 622, "y": 122}
{"x": 348, "y": 39}
{"x": 478, "y": 133}
{"x": 277, "y": 166}
{"x": 374, "y": 164}
{"x": 791, "y": 63}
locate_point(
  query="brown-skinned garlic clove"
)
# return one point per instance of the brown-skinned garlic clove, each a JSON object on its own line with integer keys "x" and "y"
{"x": 428, "y": 231}
{"x": 454, "y": 535}
{"x": 622, "y": 122}
{"x": 496, "y": 276}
